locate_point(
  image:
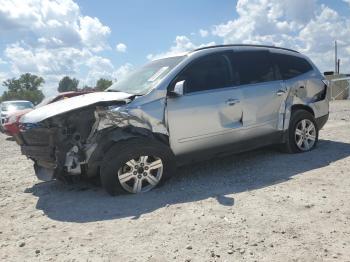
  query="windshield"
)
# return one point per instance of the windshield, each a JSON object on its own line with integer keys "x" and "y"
{"x": 14, "y": 106}
{"x": 147, "y": 77}
{"x": 45, "y": 101}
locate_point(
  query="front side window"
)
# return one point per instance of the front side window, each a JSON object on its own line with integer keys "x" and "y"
{"x": 253, "y": 67}
{"x": 207, "y": 73}
{"x": 291, "y": 66}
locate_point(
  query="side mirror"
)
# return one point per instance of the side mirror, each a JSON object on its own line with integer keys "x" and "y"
{"x": 178, "y": 89}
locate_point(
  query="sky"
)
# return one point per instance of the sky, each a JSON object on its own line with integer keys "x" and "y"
{"x": 89, "y": 39}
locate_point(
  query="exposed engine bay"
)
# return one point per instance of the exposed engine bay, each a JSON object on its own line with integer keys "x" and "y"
{"x": 62, "y": 144}
{"x": 74, "y": 142}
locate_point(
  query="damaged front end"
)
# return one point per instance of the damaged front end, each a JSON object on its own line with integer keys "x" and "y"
{"x": 73, "y": 143}
{"x": 60, "y": 145}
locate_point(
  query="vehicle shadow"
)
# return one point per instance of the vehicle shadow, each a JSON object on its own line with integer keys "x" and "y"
{"x": 217, "y": 178}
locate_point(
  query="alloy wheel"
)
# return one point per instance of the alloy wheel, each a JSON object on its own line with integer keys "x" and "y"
{"x": 305, "y": 135}
{"x": 141, "y": 174}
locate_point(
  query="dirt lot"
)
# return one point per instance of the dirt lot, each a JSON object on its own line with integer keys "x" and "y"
{"x": 257, "y": 206}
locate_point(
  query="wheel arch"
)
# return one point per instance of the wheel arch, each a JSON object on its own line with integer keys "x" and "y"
{"x": 302, "y": 107}
{"x": 107, "y": 138}
{"x": 289, "y": 112}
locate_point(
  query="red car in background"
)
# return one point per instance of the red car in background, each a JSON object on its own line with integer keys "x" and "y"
{"x": 11, "y": 124}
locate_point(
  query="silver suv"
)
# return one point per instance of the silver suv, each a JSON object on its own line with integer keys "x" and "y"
{"x": 208, "y": 102}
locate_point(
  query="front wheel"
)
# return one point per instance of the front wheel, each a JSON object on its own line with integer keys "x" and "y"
{"x": 302, "y": 133}
{"x": 136, "y": 166}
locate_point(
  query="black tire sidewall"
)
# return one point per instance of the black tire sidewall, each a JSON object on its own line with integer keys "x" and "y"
{"x": 298, "y": 116}
{"x": 121, "y": 152}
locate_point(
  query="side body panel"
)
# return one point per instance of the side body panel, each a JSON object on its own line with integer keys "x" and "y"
{"x": 263, "y": 104}
{"x": 204, "y": 119}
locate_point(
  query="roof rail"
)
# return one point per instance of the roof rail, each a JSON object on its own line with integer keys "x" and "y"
{"x": 243, "y": 45}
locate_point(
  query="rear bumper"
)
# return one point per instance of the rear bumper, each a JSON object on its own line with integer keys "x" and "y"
{"x": 321, "y": 121}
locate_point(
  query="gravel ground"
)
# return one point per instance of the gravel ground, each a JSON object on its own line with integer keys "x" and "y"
{"x": 257, "y": 206}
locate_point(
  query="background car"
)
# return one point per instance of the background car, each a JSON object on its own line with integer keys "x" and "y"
{"x": 11, "y": 122}
{"x": 8, "y": 108}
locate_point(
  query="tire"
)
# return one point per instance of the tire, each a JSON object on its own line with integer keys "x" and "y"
{"x": 131, "y": 162}
{"x": 308, "y": 140}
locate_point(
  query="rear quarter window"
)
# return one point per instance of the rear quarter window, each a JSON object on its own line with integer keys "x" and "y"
{"x": 291, "y": 66}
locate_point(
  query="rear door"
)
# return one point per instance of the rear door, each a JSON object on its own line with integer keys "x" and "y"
{"x": 210, "y": 111}
{"x": 263, "y": 92}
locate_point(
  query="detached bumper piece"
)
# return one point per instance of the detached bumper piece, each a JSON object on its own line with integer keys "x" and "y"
{"x": 37, "y": 144}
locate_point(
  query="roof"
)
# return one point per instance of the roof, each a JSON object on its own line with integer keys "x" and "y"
{"x": 245, "y": 45}
{"x": 222, "y": 46}
{"x": 14, "y": 101}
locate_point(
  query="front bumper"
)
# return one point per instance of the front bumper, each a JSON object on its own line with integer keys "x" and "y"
{"x": 37, "y": 144}
{"x": 44, "y": 174}
{"x": 41, "y": 154}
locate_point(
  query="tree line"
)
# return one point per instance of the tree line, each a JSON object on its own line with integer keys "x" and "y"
{"x": 26, "y": 87}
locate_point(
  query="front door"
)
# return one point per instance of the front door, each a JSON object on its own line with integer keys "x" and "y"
{"x": 210, "y": 111}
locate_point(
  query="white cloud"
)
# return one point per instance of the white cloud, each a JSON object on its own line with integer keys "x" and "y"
{"x": 93, "y": 33}
{"x": 182, "y": 44}
{"x": 121, "y": 47}
{"x": 58, "y": 61}
{"x": 304, "y": 25}
{"x": 57, "y": 40}
{"x": 203, "y": 33}
{"x": 102, "y": 68}
{"x": 3, "y": 76}
{"x": 99, "y": 67}
{"x": 122, "y": 71}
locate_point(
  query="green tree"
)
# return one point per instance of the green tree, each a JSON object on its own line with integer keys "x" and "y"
{"x": 102, "y": 84}
{"x": 26, "y": 87}
{"x": 86, "y": 88}
{"x": 68, "y": 84}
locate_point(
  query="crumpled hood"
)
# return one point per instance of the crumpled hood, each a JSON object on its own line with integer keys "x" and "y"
{"x": 71, "y": 104}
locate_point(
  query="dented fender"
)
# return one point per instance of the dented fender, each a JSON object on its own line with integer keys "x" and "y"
{"x": 304, "y": 93}
{"x": 147, "y": 116}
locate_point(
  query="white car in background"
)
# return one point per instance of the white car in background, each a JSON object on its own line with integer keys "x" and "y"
{"x": 10, "y": 107}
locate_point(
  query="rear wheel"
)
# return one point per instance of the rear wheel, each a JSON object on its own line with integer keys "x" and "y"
{"x": 302, "y": 133}
{"x": 136, "y": 166}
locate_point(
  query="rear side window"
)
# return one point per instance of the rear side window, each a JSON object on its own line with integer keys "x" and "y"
{"x": 210, "y": 72}
{"x": 253, "y": 67}
{"x": 291, "y": 66}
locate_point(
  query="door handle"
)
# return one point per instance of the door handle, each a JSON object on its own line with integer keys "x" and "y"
{"x": 232, "y": 102}
{"x": 281, "y": 92}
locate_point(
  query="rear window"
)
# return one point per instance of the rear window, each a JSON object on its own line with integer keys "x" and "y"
{"x": 291, "y": 66}
{"x": 10, "y": 106}
{"x": 253, "y": 67}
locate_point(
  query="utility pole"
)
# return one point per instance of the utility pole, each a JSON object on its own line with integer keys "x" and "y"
{"x": 336, "y": 57}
